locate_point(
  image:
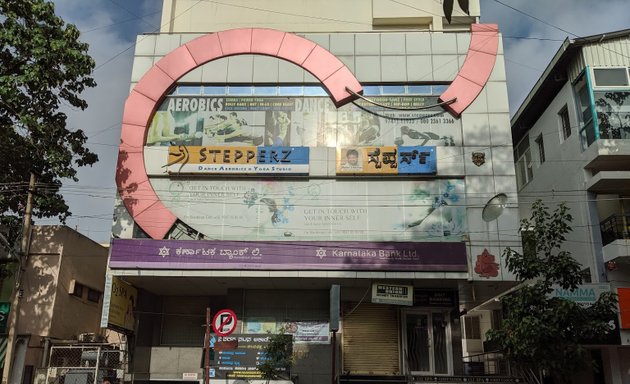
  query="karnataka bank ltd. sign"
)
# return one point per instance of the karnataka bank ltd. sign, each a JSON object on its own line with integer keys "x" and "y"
{"x": 134, "y": 187}
{"x": 322, "y": 255}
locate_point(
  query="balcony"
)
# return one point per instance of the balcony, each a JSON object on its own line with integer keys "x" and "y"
{"x": 616, "y": 237}
{"x": 607, "y": 155}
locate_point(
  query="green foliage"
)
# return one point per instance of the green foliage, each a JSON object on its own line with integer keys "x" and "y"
{"x": 43, "y": 66}
{"x": 279, "y": 354}
{"x": 542, "y": 332}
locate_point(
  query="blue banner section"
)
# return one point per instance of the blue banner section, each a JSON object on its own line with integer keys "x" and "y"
{"x": 283, "y": 155}
{"x": 417, "y": 160}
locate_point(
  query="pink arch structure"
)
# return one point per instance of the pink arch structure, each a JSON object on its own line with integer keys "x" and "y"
{"x": 132, "y": 180}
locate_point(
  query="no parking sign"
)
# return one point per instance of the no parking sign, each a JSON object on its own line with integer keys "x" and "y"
{"x": 224, "y": 322}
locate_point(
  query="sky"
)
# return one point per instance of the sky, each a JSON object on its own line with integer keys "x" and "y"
{"x": 533, "y": 30}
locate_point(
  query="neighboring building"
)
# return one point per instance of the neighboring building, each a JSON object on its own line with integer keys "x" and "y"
{"x": 249, "y": 182}
{"x": 60, "y": 295}
{"x": 572, "y": 144}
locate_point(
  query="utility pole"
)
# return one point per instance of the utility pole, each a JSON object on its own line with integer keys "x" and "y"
{"x": 207, "y": 349}
{"x": 14, "y": 313}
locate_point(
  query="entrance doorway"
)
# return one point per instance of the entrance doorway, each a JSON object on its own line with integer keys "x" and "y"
{"x": 426, "y": 343}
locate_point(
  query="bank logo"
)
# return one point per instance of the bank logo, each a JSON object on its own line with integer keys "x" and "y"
{"x": 164, "y": 251}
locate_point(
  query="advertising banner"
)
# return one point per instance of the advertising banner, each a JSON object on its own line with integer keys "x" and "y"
{"x": 584, "y": 294}
{"x": 122, "y": 305}
{"x": 389, "y": 160}
{"x": 360, "y": 256}
{"x": 300, "y": 122}
{"x": 308, "y": 332}
{"x": 318, "y": 209}
{"x": 184, "y": 159}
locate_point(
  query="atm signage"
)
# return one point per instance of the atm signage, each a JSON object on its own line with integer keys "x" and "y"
{"x": 271, "y": 160}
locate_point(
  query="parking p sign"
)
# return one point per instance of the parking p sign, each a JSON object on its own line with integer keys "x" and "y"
{"x": 224, "y": 322}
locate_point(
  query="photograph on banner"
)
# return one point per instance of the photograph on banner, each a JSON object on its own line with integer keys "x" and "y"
{"x": 300, "y": 121}
{"x": 350, "y": 160}
{"x": 287, "y": 210}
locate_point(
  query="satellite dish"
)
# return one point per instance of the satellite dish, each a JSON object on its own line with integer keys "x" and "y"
{"x": 494, "y": 207}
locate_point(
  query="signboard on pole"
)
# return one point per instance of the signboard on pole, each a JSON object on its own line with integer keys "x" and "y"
{"x": 238, "y": 356}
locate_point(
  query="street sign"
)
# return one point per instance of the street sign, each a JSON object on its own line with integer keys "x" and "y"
{"x": 224, "y": 322}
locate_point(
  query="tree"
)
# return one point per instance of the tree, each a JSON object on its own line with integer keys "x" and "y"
{"x": 42, "y": 66}
{"x": 540, "y": 332}
{"x": 278, "y": 357}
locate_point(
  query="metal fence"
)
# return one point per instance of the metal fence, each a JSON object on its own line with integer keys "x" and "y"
{"x": 84, "y": 364}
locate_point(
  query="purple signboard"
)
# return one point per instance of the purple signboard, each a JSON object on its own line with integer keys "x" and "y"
{"x": 281, "y": 255}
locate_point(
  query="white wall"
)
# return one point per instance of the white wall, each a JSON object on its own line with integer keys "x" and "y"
{"x": 308, "y": 15}
{"x": 561, "y": 178}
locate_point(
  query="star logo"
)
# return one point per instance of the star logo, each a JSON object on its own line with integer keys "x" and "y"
{"x": 321, "y": 253}
{"x": 164, "y": 251}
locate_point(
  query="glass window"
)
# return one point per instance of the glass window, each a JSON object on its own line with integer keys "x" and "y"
{"x": 541, "y": 148}
{"x": 93, "y": 295}
{"x": 78, "y": 289}
{"x": 311, "y": 90}
{"x": 587, "y": 130}
{"x": 611, "y": 77}
{"x": 524, "y": 169}
{"x": 439, "y": 89}
{"x": 290, "y": 91}
{"x": 265, "y": 91}
{"x": 393, "y": 89}
{"x": 212, "y": 90}
{"x": 419, "y": 89}
{"x": 239, "y": 90}
{"x": 613, "y": 114}
{"x": 371, "y": 90}
{"x": 188, "y": 90}
{"x": 472, "y": 328}
{"x": 565, "y": 123}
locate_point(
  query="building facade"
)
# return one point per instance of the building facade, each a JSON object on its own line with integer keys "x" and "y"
{"x": 271, "y": 154}
{"x": 60, "y": 296}
{"x": 572, "y": 144}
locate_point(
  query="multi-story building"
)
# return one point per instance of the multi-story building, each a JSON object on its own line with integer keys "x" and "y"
{"x": 272, "y": 153}
{"x": 572, "y": 144}
{"x": 59, "y": 298}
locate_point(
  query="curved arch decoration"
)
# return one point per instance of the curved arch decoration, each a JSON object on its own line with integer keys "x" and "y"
{"x": 474, "y": 74}
{"x": 133, "y": 183}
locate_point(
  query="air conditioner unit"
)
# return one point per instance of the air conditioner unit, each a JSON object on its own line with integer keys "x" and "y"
{"x": 87, "y": 337}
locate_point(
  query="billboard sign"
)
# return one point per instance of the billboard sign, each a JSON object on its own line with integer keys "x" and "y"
{"x": 268, "y": 255}
{"x": 388, "y": 160}
{"x": 300, "y": 122}
{"x": 318, "y": 209}
{"x": 184, "y": 159}
{"x": 121, "y": 309}
{"x": 392, "y": 294}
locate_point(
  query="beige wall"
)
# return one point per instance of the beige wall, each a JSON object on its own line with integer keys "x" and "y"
{"x": 180, "y": 16}
{"x": 57, "y": 255}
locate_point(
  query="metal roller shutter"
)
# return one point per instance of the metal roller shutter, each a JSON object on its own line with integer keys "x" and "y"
{"x": 370, "y": 340}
